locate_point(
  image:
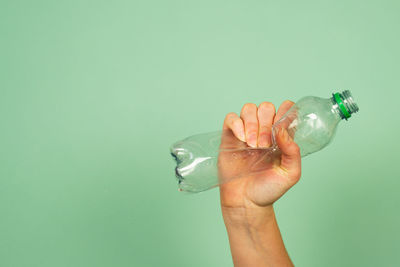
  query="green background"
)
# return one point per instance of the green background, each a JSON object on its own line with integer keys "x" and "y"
{"x": 92, "y": 94}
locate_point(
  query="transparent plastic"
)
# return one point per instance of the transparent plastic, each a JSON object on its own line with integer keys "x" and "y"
{"x": 207, "y": 160}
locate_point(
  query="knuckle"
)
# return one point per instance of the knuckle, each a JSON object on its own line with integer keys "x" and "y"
{"x": 251, "y": 126}
{"x": 249, "y": 106}
{"x": 230, "y": 115}
{"x": 267, "y": 105}
{"x": 295, "y": 149}
{"x": 287, "y": 101}
{"x": 295, "y": 175}
{"x": 264, "y": 133}
{"x": 237, "y": 123}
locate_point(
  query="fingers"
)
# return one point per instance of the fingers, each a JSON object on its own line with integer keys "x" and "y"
{"x": 233, "y": 122}
{"x": 254, "y": 124}
{"x": 249, "y": 117}
{"x": 284, "y": 107}
{"x": 265, "y": 114}
{"x": 290, "y": 159}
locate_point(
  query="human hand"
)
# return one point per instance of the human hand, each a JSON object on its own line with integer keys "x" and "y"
{"x": 278, "y": 171}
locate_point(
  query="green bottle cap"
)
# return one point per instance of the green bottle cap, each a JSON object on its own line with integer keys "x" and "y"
{"x": 345, "y": 103}
{"x": 343, "y": 109}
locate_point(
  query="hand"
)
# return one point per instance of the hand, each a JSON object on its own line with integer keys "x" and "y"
{"x": 277, "y": 172}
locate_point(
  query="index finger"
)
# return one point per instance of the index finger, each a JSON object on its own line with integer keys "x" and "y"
{"x": 284, "y": 107}
{"x": 235, "y": 123}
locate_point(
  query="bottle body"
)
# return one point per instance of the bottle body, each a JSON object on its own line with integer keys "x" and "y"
{"x": 311, "y": 122}
{"x": 197, "y": 161}
{"x": 207, "y": 160}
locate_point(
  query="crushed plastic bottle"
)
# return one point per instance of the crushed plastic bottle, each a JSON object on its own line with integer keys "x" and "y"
{"x": 311, "y": 123}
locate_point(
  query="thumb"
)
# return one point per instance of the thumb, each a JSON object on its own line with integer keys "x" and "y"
{"x": 290, "y": 159}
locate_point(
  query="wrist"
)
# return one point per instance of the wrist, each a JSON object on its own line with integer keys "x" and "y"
{"x": 254, "y": 237}
{"x": 249, "y": 217}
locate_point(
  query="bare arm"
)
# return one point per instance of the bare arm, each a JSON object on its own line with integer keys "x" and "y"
{"x": 257, "y": 241}
{"x": 247, "y": 203}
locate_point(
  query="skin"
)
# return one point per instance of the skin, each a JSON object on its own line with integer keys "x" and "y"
{"x": 247, "y": 203}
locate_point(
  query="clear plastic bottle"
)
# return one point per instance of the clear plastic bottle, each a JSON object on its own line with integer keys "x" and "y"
{"x": 311, "y": 122}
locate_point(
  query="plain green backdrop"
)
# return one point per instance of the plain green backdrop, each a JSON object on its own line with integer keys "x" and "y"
{"x": 92, "y": 94}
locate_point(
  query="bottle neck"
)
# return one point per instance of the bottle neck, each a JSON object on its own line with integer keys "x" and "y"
{"x": 343, "y": 104}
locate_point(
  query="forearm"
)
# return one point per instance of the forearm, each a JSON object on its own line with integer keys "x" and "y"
{"x": 254, "y": 237}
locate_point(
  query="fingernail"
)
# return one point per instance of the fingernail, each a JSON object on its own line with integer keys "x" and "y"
{"x": 283, "y": 135}
{"x": 262, "y": 143}
{"x": 252, "y": 140}
{"x": 287, "y": 136}
{"x": 242, "y": 136}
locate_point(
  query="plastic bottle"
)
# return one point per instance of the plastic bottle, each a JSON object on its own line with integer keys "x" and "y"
{"x": 311, "y": 122}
